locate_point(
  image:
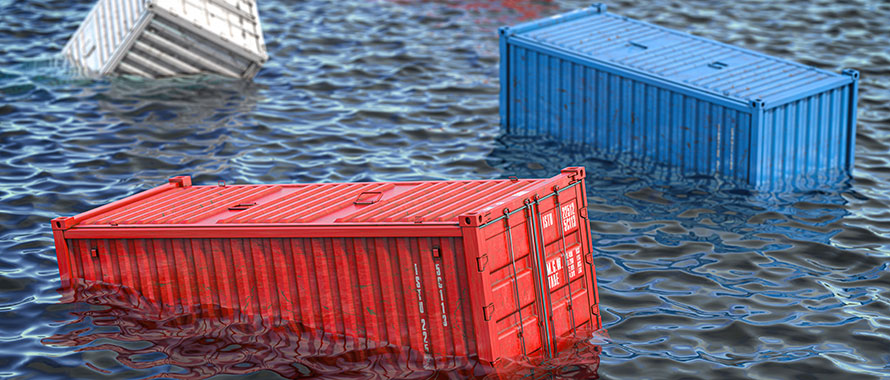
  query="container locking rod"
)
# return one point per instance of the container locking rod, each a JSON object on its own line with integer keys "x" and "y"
{"x": 515, "y": 279}
{"x": 565, "y": 258}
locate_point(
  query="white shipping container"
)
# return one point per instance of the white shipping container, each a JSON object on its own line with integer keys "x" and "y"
{"x": 162, "y": 38}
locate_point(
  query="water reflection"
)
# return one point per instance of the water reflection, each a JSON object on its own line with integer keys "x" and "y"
{"x": 698, "y": 278}
{"x": 695, "y": 268}
{"x": 128, "y": 334}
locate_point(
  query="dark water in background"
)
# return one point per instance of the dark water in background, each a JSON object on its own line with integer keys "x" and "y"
{"x": 697, "y": 279}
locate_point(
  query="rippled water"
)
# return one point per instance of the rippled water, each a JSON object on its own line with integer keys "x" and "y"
{"x": 698, "y": 279}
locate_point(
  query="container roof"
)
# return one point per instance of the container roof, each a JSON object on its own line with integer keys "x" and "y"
{"x": 323, "y": 203}
{"x": 678, "y": 57}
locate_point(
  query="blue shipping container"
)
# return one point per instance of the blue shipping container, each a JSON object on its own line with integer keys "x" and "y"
{"x": 621, "y": 85}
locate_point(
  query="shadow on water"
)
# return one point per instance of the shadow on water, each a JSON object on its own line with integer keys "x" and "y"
{"x": 123, "y": 335}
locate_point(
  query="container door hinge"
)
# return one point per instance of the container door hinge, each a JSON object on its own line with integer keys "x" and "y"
{"x": 589, "y": 258}
{"x": 481, "y": 262}
{"x": 94, "y": 253}
{"x": 592, "y": 309}
{"x": 583, "y": 212}
{"x": 488, "y": 311}
{"x": 436, "y": 253}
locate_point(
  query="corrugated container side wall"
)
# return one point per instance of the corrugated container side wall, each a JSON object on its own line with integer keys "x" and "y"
{"x": 163, "y": 38}
{"x": 378, "y": 291}
{"x": 812, "y": 138}
{"x": 103, "y": 31}
{"x": 551, "y": 95}
{"x": 186, "y": 38}
{"x": 553, "y": 82}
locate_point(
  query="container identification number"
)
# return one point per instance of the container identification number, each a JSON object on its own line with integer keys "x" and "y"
{"x": 423, "y": 329}
{"x": 569, "y": 220}
{"x": 547, "y": 220}
{"x": 441, "y": 286}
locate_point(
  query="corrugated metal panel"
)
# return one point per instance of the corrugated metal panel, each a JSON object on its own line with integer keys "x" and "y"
{"x": 541, "y": 266}
{"x": 233, "y": 21}
{"x": 162, "y": 38}
{"x": 315, "y": 203}
{"x": 183, "y": 205}
{"x": 807, "y": 138}
{"x": 440, "y": 201}
{"x": 495, "y": 253}
{"x": 620, "y": 85}
{"x": 683, "y": 58}
{"x": 365, "y": 289}
{"x": 613, "y": 113}
{"x": 102, "y": 32}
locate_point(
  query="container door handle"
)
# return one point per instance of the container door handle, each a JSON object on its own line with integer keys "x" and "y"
{"x": 365, "y": 199}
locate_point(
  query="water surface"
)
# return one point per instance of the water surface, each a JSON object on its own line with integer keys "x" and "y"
{"x": 698, "y": 278}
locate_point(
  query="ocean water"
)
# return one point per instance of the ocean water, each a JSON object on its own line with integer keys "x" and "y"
{"x": 698, "y": 278}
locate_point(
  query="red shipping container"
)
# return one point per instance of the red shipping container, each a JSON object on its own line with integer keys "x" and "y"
{"x": 494, "y": 269}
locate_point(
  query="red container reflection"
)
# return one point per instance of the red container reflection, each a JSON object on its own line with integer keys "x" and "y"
{"x": 204, "y": 347}
{"x": 527, "y": 9}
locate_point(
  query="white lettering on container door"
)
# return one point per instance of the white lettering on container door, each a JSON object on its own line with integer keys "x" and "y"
{"x": 575, "y": 264}
{"x": 569, "y": 220}
{"x": 547, "y": 220}
{"x": 554, "y": 268}
{"x": 441, "y": 285}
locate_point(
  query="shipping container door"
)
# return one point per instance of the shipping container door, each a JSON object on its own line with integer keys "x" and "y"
{"x": 562, "y": 235}
{"x": 517, "y": 286}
